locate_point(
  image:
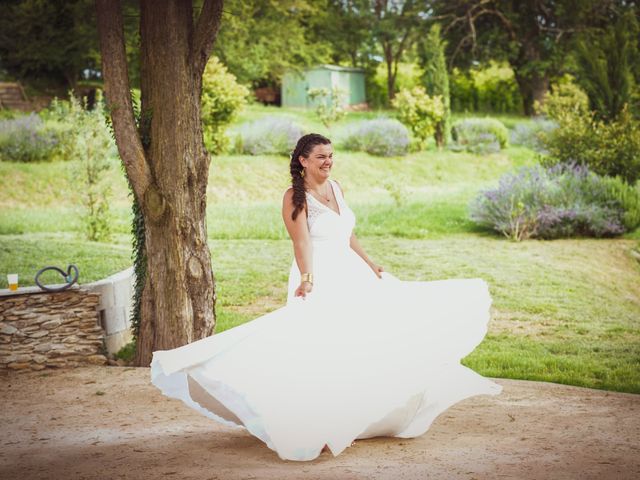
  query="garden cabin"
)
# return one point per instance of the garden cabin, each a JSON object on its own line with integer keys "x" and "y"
{"x": 350, "y": 81}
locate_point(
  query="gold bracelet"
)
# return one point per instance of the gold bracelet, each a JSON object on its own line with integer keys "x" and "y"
{"x": 307, "y": 277}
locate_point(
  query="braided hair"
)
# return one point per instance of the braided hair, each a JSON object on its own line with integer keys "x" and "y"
{"x": 303, "y": 147}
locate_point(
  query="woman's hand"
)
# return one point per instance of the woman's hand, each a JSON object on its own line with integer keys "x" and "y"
{"x": 377, "y": 269}
{"x": 303, "y": 289}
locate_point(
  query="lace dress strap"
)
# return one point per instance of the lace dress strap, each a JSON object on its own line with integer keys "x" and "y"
{"x": 338, "y": 194}
{"x": 313, "y": 210}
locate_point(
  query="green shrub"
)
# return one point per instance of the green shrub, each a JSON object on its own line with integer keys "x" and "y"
{"x": 420, "y": 112}
{"x": 565, "y": 98}
{"x": 383, "y": 137}
{"x": 127, "y": 352}
{"x": 565, "y": 200}
{"x": 607, "y": 148}
{"x": 222, "y": 98}
{"x": 529, "y": 133}
{"x": 627, "y": 197}
{"x": 329, "y": 104}
{"x": 479, "y": 134}
{"x": 488, "y": 88}
{"x": 267, "y": 135}
{"x": 26, "y": 138}
{"x": 86, "y": 141}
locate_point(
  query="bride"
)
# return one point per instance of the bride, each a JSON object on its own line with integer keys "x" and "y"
{"x": 355, "y": 353}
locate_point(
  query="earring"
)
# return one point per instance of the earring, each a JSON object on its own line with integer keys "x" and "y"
{"x": 302, "y": 173}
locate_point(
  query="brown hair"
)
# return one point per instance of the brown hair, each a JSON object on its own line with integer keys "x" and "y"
{"x": 303, "y": 147}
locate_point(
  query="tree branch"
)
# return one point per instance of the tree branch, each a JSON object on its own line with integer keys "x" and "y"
{"x": 205, "y": 33}
{"x": 118, "y": 96}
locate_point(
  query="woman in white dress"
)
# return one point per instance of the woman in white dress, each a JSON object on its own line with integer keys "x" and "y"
{"x": 355, "y": 353}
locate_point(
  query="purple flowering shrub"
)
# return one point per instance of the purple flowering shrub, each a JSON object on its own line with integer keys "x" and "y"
{"x": 26, "y": 139}
{"x": 531, "y": 134}
{"x": 479, "y": 135}
{"x": 268, "y": 135}
{"x": 561, "y": 201}
{"x": 384, "y": 137}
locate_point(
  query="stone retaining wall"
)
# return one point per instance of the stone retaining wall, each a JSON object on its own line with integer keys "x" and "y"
{"x": 42, "y": 330}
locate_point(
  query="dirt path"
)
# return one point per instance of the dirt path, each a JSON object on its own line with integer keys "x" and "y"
{"x": 58, "y": 426}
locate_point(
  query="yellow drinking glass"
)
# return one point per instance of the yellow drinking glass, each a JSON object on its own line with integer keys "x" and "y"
{"x": 12, "y": 278}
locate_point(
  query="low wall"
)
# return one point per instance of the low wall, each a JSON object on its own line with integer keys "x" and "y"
{"x": 115, "y": 308}
{"x": 50, "y": 329}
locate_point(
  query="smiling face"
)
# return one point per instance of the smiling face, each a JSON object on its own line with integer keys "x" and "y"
{"x": 319, "y": 162}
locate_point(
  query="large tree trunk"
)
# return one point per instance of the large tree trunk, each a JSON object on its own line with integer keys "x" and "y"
{"x": 533, "y": 88}
{"x": 533, "y": 83}
{"x": 167, "y": 164}
{"x": 179, "y": 276}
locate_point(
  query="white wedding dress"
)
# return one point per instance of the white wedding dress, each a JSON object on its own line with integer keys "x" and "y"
{"x": 360, "y": 357}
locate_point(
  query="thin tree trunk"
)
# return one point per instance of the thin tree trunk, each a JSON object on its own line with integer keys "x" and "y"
{"x": 391, "y": 77}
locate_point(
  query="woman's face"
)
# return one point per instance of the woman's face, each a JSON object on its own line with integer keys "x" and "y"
{"x": 319, "y": 162}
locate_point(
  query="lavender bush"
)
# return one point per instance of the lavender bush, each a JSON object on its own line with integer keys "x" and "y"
{"x": 530, "y": 134}
{"x": 383, "y": 137}
{"x": 268, "y": 135}
{"x": 562, "y": 201}
{"x": 26, "y": 139}
{"x": 479, "y": 135}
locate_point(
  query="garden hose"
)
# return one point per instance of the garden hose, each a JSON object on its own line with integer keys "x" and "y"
{"x": 67, "y": 276}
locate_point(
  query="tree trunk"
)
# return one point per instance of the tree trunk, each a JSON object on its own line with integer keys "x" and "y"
{"x": 167, "y": 164}
{"x": 180, "y": 282}
{"x": 532, "y": 82}
{"x": 532, "y": 88}
{"x": 391, "y": 74}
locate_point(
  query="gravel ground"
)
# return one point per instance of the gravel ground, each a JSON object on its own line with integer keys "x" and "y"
{"x": 110, "y": 423}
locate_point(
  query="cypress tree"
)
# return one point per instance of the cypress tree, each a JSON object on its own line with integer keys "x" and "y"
{"x": 606, "y": 63}
{"x": 436, "y": 78}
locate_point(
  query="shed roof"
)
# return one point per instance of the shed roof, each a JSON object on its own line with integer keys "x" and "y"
{"x": 337, "y": 68}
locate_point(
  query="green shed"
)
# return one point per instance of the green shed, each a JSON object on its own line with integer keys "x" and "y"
{"x": 350, "y": 80}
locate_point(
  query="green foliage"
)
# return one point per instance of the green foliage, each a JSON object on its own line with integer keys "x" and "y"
{"x": 627, "y": 197}
{"x": 91, "y": 147}
{"x": 478, "y": 134}
{"x": 128, "y": 352}
{"x": 397, "y": 191}
{"x": 561, "y": 201}
{"x": 611, "y": 148}
{"x": 259, "y": 40}
{"x": 222, "y": 98}
{"x": 407, "y": 77}
{"x": 26, "y": 138}
{"x": 139, "y": 257}
{"x": 329, "y": 104}
{"x": 420, "y": 112}
{"x": 606, "y": 59}
{"x": 565, "y": 98}
{"x": 383, "y": 137}
{"x": 53, "y": 40}
{"x": 436, "y": 78}
{"x": 529, "y": 133}
{"x": 267, "y": 135}
{"x": 488, "y": 88}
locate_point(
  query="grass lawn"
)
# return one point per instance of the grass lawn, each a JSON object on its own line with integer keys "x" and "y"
{"x": 565, "y": 311}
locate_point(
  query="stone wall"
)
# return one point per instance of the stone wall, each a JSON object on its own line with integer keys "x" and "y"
{"x": 41, "y": 330}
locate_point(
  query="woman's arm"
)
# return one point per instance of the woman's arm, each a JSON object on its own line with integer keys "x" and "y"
{"x": 302, "y": 246}
{"x": 356, "y": 247}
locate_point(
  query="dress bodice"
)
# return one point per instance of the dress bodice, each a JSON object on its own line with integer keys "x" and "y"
{"x": 325, "y": 224}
